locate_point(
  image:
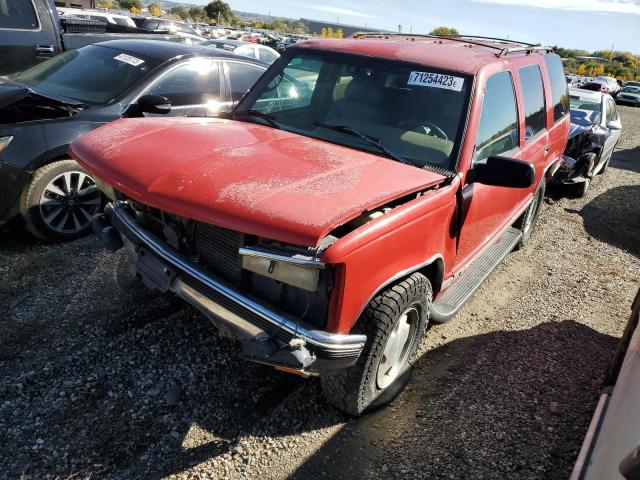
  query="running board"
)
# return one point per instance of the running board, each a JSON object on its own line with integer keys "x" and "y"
{"x": 454, "y": 297}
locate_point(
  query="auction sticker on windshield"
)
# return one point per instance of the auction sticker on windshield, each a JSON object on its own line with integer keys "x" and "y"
{"x": 123, "y": 57}
{"x": 435, "y": 80}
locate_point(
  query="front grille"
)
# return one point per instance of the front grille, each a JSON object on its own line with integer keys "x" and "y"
{"x": 218, "y": 250}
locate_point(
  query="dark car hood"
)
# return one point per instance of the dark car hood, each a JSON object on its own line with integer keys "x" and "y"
{"x": 582, "y": 121}
{"x": 243, "y": 176}
{"x": 19, "y": 103}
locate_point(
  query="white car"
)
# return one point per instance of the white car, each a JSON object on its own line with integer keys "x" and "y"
{"x": 630, "y": 94}
{"x": 610, "y": 82}
{"x": 248, "y": 49}
{"x": 113, "y": 18}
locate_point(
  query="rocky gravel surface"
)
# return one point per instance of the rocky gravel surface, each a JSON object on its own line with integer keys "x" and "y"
{"x": 100, "y": 379}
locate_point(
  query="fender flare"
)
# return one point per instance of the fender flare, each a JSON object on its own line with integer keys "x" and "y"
{"x": 433, "y": 268}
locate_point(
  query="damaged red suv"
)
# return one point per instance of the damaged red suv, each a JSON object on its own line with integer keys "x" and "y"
{"x": 361, "y": 189}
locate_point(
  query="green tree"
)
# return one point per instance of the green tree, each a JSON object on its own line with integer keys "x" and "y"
{"x": 197, "y": 14}
{"x": 181, "y": 12}
{"x": 444, "y": 31}
{"x": 220, "y": 12}
{"x": 155, "y": 10}
{"x": 129, "y": 4}
{"x": 105, "y": 4}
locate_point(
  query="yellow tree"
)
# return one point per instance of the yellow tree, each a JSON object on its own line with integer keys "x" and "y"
{"x": 323, "y": 33}
{"x": 154, "y": 9}
{"x": 582, "y": 69}
{"x": 339, "y": 33}
{"x": 134, "y": 10}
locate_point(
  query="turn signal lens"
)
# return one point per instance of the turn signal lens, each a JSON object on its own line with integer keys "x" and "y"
{"x": 302, "y": 277}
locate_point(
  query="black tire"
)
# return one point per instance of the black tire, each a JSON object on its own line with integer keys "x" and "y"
{"x": 588, "y": 162}
{"x": 603, "y": 170}
{"x": 43, "y": 209}
{"x": 356, "y": 389}
{"x": 527, "y": 221}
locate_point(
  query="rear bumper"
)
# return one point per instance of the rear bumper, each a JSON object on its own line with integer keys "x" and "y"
{"x": 231, "y": 309}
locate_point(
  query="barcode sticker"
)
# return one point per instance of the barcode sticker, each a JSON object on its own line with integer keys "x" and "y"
{"x": 123, "y": 57}
{"x": 436, "y": 80}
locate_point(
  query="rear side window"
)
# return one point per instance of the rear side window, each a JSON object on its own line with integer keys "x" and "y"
{"x": 242, "y": 76}
{"x": 498, "y": 129}
{"x": 18, "y": 14}
{"x": 192, "y": 83}
{"x": 535, "y": 117}
{"x": 559, "y": 91}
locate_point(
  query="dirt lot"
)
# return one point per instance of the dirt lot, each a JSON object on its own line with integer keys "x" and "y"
{"x": 100, "y": 379}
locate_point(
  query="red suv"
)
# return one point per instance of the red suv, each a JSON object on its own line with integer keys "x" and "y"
{"x": 359, "y": 190}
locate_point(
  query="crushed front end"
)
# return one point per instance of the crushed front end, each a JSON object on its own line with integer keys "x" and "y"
{"x": 273, "y": 296}
{"x": 585, "y": 137}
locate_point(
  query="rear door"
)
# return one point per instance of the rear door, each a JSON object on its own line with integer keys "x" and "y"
{"x": 193, "y": 87}
{"x": 239, "y": 78}
{"x": 558, "y": 95}
{"x": 537, "y": 145}
{"x": 27, "y": 34}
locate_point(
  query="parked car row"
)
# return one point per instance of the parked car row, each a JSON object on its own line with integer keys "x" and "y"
{"x": 46, "y": 107}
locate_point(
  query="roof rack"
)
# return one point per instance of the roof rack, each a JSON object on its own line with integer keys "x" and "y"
{"x": 521, "y": 47}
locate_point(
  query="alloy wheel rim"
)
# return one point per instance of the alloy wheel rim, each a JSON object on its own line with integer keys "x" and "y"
{"x": 396, "y": 349}
{"x": 69, "y": 202}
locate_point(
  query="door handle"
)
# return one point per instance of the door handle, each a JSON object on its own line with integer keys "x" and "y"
{"x": 43, "y": 50}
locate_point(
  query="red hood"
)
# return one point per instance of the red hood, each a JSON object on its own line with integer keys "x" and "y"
{"x": 244, "y": 177}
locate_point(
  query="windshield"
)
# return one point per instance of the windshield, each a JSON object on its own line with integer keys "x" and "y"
{"x": 577, "y": 102}
{"x": 93, "y": 75}
{"x": 416, "y": 112}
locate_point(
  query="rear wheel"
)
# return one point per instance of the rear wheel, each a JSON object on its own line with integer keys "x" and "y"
{"x": 60, "y": 201}
{"x": 395, "y": 322}
{"x": 527, "y": 221}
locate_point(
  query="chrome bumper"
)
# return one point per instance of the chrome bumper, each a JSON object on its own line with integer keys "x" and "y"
{"x": 229, "y": 308}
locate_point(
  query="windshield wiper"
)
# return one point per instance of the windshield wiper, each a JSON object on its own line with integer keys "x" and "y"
{"x": 270, "y": 119}
{"x": 365, "y": 138}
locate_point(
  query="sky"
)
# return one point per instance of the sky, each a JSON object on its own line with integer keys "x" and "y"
{"x": 586, "y": 24}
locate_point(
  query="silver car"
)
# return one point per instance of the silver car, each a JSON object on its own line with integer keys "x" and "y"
{"x": 595, "y": 130}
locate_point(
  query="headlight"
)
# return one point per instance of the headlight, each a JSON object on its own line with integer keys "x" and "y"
{"x": 4, "y": 143}
{"x": 293, "y": 270}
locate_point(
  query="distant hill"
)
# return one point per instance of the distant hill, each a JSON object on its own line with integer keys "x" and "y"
{"x": 248, "y": 16}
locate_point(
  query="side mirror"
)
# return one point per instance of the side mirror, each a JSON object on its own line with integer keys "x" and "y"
{"x": 614, "y": 125}
{"x": 505, "y": 172}
{"x": 154, "y": 104}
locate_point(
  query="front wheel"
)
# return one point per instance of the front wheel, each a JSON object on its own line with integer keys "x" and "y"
{"x": 394, "y": 322}
{"x": 60, "y": 201}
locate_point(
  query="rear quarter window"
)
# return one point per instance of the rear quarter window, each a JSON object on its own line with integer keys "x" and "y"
{"x": 559, "y": 92}
{"x": 532, "y": 89}
{"x": 18, "y": 14}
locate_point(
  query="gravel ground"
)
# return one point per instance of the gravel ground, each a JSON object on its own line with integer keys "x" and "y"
{"x": 101, "y": 379}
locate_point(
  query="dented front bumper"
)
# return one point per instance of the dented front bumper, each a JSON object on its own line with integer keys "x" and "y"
{"x": 271, "y": 337}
